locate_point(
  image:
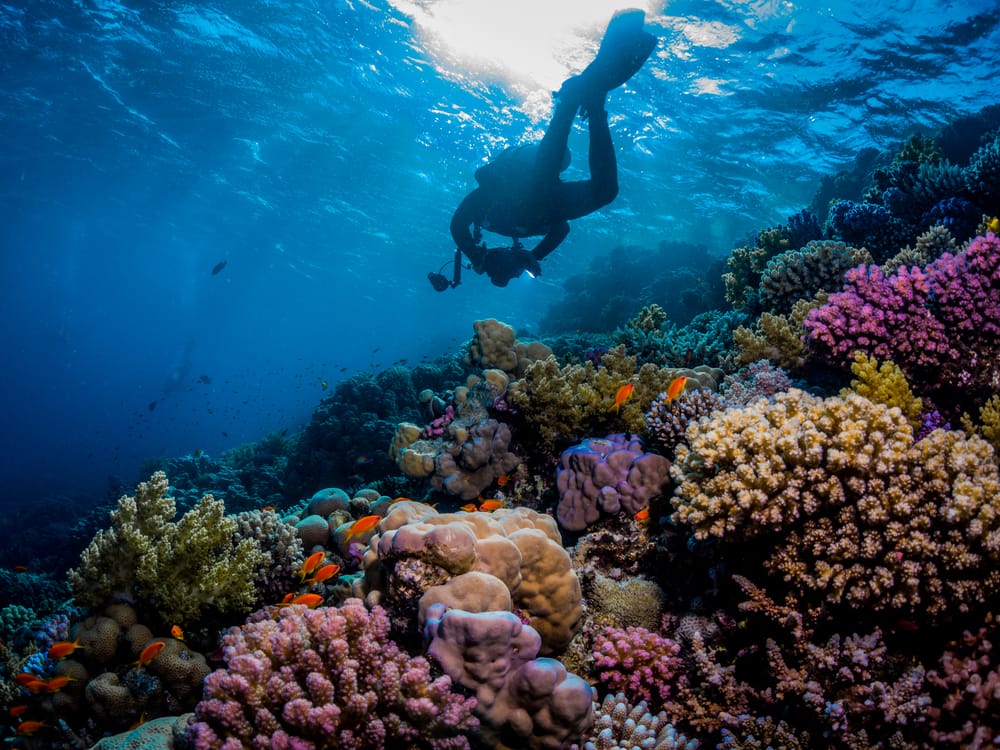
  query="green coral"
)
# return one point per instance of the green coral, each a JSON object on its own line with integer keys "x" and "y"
{"x": 989, "y": 422}
{"x": 181, "y": 567}
{"x": 844, "y": 505}
{"x": 885, "y": 384}
{"x": 562, "y": 404}
{"x": 777, "y": 338}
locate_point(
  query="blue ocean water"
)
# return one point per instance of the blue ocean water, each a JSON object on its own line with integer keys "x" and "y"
{"x": 319, "y": 148}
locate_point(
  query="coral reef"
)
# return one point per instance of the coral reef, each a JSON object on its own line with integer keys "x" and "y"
{"x": 326, "y": 678}
{"x": 493, "y": 346}
{"x": 607, "y": 475}
{"x": 885, "y": 384}
{"x": 621, "y": 725}
{"x": 639, "y": 663}
{"x": 799, "y": 274}
{"x": 777, "y": 338}
{"x": 181, "y": 568}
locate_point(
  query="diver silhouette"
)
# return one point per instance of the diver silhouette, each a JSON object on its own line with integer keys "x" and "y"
{"x": 520, "y": 193}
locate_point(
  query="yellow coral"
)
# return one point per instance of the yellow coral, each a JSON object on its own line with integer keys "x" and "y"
{"x": 777, "y": 338}
{"x": 989, "y": 422}
{"x": 884, "y": 384}
{"x": 179, "y": 567}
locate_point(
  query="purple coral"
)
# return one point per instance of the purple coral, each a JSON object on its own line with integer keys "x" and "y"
{"x": 607, "y": 474}
{"x": 639, "y": 663}
{"x": 305, "y": 679}
{"x": 940, "y": 324}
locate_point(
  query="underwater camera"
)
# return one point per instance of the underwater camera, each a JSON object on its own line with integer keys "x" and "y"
{"x": 440, "y": 282}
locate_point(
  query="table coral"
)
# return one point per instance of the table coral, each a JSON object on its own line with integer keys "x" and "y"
{"x": 181, "y": 567}
{"x": 326, "y": 678}
{"x": 850, "y": 508}
{"x": 607, "y": 475}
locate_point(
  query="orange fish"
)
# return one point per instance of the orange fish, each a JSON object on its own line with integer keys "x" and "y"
{"x": 269, "y": 508}
{"x": 16, "y": 711}
{"x": 62, "y": 649}
{"x": 400, "y": 500}
{"x": 20, "y": 568}
{"x": 469, "y": 508}
{"x": 488, "y": 506}
{"x": 287, "y": 600}
{"x": 35, "y": 686}
{"x": 28, "y": 728}
{"x": 675, "y": 387}
{"x": 362, "y": 526}
{"x": 57, "y": 683}
{"x": 310, "y": 600}
{"x": 23, "y": 678}
{"x": 327, "y": 571}
{"x": 177, "y": 632}
{"x": 642, "y": 515}
{"x": 150, "y": 652}
{"x": 312, "y": 562}
{"x": 623, "y": 395}
{"x": 502, "y": 480}
{"x": 142, "y": 720}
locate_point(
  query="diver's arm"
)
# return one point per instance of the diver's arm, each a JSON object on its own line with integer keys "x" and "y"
{"x": 470, "y": 211}
{"x": 551, "y": 241}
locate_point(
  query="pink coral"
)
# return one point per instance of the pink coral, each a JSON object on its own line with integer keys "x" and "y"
{"x": 639, "y": 663}
{"x": 306, "y": 679}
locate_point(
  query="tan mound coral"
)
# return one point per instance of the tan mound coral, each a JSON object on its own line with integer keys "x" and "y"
{"x": 494, "y": 346}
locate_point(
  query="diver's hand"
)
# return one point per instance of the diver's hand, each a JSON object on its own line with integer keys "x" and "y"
{"x": 528, "y": 262}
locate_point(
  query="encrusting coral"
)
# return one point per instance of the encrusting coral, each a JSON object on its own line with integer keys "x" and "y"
{"x": 848, "y": 506}
{"x": 182, "y": 568}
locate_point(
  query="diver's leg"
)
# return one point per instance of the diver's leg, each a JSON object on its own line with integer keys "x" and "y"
{"x": 576, "y": 199}
{"x": 549, "y": 161}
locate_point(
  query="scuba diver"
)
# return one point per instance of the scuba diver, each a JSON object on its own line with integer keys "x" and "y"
{"x": 520, "y": 193}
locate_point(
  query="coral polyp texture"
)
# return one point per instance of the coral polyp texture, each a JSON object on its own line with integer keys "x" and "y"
{"x": 940, "y": 323}
{"x": 851, "y": 509}
{"x": 182, "y": 568}
{"x": 326, "y": 678}
{"x": 641, "y": 664}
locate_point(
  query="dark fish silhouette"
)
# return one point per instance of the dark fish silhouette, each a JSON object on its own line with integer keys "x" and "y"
{"x": 218, "y": 267}
{"x": 152, "y": 405}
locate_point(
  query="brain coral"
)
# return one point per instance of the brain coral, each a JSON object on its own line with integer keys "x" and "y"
{"x": 848, "y": 506}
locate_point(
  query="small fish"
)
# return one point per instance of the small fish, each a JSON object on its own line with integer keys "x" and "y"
{"x": 23, "y": 678}
{"x": 198, "y": 453}
{"x": 151, "y": 406}
{"x": 993, "y": 225}
{"x": 312, "y": 562}
{"x": 310, "y": 600}
{"x": 363, "y": 460}
{"x": 35, "y": 686}
{"x": 642, "y": 515}
{"x": 217, "y": 268}
{"x": 488, "y": 506}
{"x": 362, "y": 526}
{"x": 401, "y": 499}
{"x": 623, "y": 395}
{"x": 502, "y": 480}
{"x": 62, "y": 649}
{"x": 16, "y": 711}
{"x": 675, "y": 387}
{"x": 140, "y": 722}
{"x": 20, "y": 568}
{"x": 469, "y": 508}
{"x": 269, "y": 508}
{"x": 149, "y": 653}
{"x": 57, "y": 683}
{"x": 28, "y": 728}
{"x": 177, "y": 632}
{"x": 324, "y": 573}
{"x": 287, "y": 600}
{"x": 324, "y": 385}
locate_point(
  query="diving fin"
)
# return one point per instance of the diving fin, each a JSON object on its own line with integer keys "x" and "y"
{"x": 625, "y": 47}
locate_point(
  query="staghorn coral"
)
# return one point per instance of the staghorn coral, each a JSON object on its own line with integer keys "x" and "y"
{"x": 326, "y": 678}
{"x": 181, "y": 568}
{"x": 885, "y": 384}
{"x": 798, "y": 274}
{"x": 621, "y": 725}
{"x": 851, "y": 510}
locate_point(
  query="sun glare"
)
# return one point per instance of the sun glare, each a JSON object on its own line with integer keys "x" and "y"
{"x": 524, "y": 45}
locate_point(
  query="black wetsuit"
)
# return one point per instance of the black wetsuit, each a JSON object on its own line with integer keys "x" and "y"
{"x": 535, "y": 201}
